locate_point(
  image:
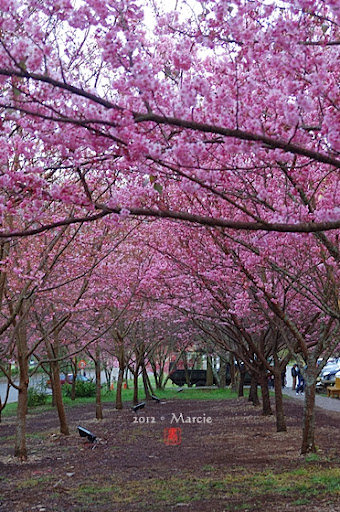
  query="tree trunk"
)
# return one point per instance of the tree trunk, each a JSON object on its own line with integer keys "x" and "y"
{"x": 242, "y": 375}
{"x": 223, "y": 374}
{"x": 308, "y": 432}
{"x": 50, "y": 378}
{"x": 20, "y": 449}
{"x": 74, "y": 369}
{"x": 235, "y": 378}
{"x": 253, "y": 394}
{"x": 73, "y": 388}
{"x": 126, "y": 378}
{"x": 99, "y": 408}
{"x": 59, "y": 399}
{"x": 119, "y": 402}
{"x": 154, "y": 371}
{"x": 53, "y": 352}
{"x": 159, "y": 382}
{"x": 135, "y": 386}
{"x": 3, "y": 404}
{"x": 266, "y": 406}
{"x": 146, "y": 382}
{"x": 73, "y": 383}
{"x": 108, "y": 373}
{"x": 210, "y": 376}
{"x": 280, "y": 417}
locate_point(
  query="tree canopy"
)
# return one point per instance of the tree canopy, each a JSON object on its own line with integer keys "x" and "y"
{"x": 218, "y": 114}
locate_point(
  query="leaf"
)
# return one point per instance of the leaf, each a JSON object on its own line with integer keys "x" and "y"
{"x": 158, "y": 187}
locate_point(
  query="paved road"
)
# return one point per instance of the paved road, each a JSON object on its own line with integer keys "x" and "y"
{"x": 35, "y": 380}
{"x": 13, "y": 394}
{"x": 322, "y": 401}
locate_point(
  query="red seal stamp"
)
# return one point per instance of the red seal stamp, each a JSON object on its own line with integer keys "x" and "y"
{"x": 172, "y": 436}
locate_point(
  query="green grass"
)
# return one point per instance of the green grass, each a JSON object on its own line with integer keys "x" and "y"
{"x": 312, "y": 457}
{"x": 301, "y": 501}
{"x": 33, "y": 482}
{"x": 238, "y": 489}
{"x": 201, "y": 394}
{"x": 312, "y": 480}
{"x": 169, "y": 393}
{"x": 9, "y": 410}
{"x": 208, "y": 467}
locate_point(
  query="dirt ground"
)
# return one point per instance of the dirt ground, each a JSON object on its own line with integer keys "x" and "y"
{"x": 147, "y": 461}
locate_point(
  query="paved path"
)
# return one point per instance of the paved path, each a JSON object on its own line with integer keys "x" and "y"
{"x": 322, "y": 401}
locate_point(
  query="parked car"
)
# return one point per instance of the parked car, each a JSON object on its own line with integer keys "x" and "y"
{"x": 69, "y": 379}
{"x": 198, "y": 377}
{"x": 62, "y": 380}
{"x": 328, "y": 373}
{"x": 79, "y": 378}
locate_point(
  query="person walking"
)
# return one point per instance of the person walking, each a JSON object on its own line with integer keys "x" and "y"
{"x": 300, "y": 383}
{"x": 294, "y": 372}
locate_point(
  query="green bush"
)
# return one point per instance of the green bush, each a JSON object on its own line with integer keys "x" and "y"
{"x": 36, "y": 396}
{"x": 83, "y": 389}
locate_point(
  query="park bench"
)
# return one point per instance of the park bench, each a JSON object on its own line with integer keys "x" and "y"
{"x": 334, "y": 390}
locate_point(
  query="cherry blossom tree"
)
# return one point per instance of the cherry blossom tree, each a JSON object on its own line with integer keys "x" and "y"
{"x": 240, "y": 287}
{"x": 26, "y": 269}
{"x": 45, "y": 285}
{"x": 236, "y": 104}
{"x": 224, "y": 116}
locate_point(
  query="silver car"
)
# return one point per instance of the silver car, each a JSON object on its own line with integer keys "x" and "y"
{"x": 327, "y": 375}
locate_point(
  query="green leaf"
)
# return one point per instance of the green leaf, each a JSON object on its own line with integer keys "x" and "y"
{"x": 158, "y": 187}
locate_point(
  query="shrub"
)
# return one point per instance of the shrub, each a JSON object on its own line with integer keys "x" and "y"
{"x": 36, "y": 396}
{"x": 83, "y": 389}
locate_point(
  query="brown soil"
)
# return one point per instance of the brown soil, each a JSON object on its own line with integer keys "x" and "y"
{"x": 131, "y": 468}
